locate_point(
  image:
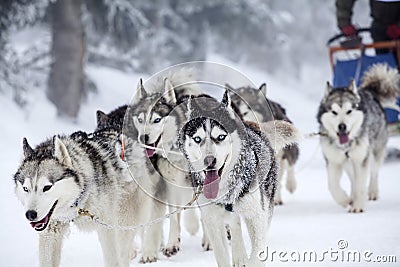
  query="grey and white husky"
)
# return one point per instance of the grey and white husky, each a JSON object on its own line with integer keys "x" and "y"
{"x": 253, "y": 105}
{"x": 153, "y": 118}
{"x": 83, "y": 171}
{"x": 354, "y": 134}
{"x": 236, "y": 165}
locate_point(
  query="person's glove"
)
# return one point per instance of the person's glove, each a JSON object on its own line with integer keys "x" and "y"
{"x": 349, "y": 30}
{"x": 393, "y": 31}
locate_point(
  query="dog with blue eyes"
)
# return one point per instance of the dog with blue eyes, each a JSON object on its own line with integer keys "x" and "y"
{"x": 235, "y": 163}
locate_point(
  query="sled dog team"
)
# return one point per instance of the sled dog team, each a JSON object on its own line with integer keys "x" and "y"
{"x": 172, "y": 138}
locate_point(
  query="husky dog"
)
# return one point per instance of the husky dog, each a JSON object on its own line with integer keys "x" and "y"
{"x": 114, "y": 119}
{"x": 235, "y": 164}
{"x": 253, "y": 105}
{"x": 154, "y": 117}
{"x": 354, "y": 133}
{"x": 81, "y": 171}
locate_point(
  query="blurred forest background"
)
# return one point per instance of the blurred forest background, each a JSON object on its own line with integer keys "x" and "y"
{"x": 145, "y": 36}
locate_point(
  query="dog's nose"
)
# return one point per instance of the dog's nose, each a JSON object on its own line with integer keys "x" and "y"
{"x": 31, "y": 215}
{"x": 342, "y": 127}
{"x": 210, "y": 161}
{"x": 144, "y": 138}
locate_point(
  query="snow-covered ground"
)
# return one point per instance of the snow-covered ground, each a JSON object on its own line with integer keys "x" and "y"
{"x": 308, "y": 221}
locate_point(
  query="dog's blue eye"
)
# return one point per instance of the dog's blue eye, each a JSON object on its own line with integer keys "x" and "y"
{"x": 46, "y": 188}
{"x": 157, "y": 120}
{"x": 140, "y": 120}
{"x": 25, "y": 188}
{"x": 197, "y": 139}
{"x": 334, "y": 112}
{"x": 221, "y": 137}
{"x": 349, "y": 111}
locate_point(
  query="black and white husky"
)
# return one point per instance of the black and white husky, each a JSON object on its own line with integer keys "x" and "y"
{"x": 253, "y": 105}
{"x": 84, "y": 171}
{"x": 236, "y": 165}
{"x": 354, "y": 134}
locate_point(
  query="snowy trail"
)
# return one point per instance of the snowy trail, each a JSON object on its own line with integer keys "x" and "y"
{"x": 308, "y": 220}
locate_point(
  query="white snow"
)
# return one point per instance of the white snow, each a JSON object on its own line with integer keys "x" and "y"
{"x": 309, "y": 220}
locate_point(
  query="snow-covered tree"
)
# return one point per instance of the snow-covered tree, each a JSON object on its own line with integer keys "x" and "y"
{"x": 25, "y": 68}
{"x": 21, "y": 69}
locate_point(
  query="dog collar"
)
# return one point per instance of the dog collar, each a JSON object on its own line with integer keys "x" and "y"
{"x": 80, "y": 197}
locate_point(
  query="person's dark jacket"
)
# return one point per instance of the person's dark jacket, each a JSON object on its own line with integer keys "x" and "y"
{"x": 383, "y": 13}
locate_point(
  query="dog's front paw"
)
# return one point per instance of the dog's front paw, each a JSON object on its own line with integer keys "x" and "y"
{"x": 358, "y": 204}
{"x": 239, "y": 259}
{"x": 357, "y": 207}
{"x": 373, "y": 195}
{"x": 291, "y": 185}
{"x": 239, "y": 263}
{"x": 356, "y": 210}
{"x": 205, "y": 243}
{"x": 278, "y": 200}
{"x": 171, "y": 250}
{"x": 148, "y": 258}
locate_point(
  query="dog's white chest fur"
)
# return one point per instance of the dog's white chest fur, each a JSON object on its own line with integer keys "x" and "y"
{"x": 357, "y": 150}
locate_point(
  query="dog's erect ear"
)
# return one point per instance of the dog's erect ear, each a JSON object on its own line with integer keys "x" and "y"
{"x": 353, "y": 88}
{"x": 229, "y": 87}
{"x": 189, "y": 109}
{"x": 227, "y": 103}
{"x": 140, "y": 92}
{"x": 169, "y": 92}
{"x": 193, "y": 108}
{"x": 226, "y": 99}
{"x": 28, "y": 151}
{"x": 60, "y": 152}
{"x": 263, "y": 89}
{"x": 102, "y": 118}
{"x": 328, "y": 89}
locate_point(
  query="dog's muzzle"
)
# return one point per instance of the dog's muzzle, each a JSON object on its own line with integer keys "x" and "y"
{"x": 42, "y": 224}
{"x": 343, "y": 134}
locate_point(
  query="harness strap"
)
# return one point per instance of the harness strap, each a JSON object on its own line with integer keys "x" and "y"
{"x": 81, "y": 196}
{"x": 122, "y": 150}
{"x": 96, "y": 219}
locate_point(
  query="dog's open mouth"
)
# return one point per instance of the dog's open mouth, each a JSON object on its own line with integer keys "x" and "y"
{"x": 211, "y": 183}
{"x": 150, "y": 152}
{"x": 343, "y": 138}
{"x": 42, "y": 224}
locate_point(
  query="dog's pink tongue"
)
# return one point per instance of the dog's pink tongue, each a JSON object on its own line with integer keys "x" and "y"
{"x": 211, "y": 184}
{"x": 41, "y": 223}
{"x": 343, "y": 138}
{"x": 150, "y": 152}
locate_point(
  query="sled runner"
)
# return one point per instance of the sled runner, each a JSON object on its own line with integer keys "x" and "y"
{"x": 350, "y": 57}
